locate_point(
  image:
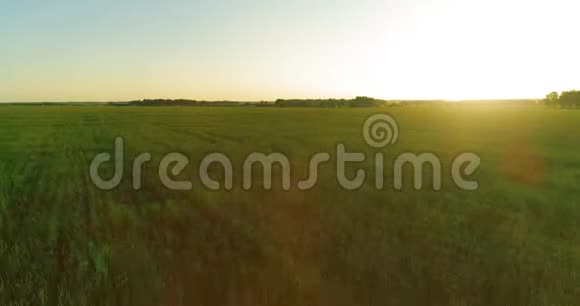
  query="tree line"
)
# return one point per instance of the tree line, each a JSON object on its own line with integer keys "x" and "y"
{"x": 178, "y": 102}
{"x": 334, "y": 103}
{"x": 567, "y": 99}
{"x": 325, "y": 103}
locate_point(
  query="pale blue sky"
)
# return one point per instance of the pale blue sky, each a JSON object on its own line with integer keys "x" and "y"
{"x": 259, "y": 50}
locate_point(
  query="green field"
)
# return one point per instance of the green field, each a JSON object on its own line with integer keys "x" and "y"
{"x": 515, "y": 241}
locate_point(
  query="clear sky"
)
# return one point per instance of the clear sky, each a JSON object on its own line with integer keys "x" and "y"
{"x": 112, "y": 50}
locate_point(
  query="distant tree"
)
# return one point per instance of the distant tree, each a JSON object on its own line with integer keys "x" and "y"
{"x": 363, "y": 102}
{"x": 570, "y": 99}
{"x": 552, "y": 99}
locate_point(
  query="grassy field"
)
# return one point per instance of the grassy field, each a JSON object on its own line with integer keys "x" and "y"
{"x": 515, "y": 241}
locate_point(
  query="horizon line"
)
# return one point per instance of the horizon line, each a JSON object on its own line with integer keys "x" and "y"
{"x": 258, "y": 101}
